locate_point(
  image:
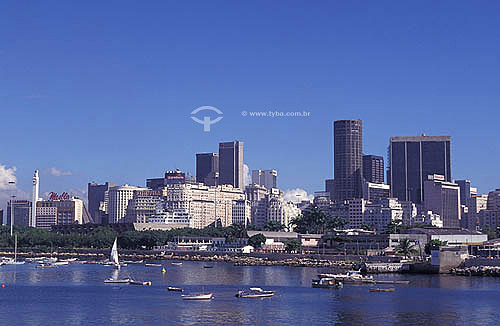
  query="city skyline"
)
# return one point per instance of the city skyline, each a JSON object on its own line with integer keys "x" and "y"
{"x": 402, "y": 73}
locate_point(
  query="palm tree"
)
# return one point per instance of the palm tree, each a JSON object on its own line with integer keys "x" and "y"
{"x": 406, "y": 248}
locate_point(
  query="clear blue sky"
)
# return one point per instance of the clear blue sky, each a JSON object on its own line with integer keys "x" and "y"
{"x": 104, "y": 89}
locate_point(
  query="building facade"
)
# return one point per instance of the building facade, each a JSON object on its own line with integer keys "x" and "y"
{"x": 266, "y": 178}
{"x": 231, "y": 164}
{"x": 97, "y": 195}
{"x": 348, "y": 157}
{"x": 142, "y": 206}
{"x": 242, "y": 212}
{"x": 207, "y": 168}
{"x": 412, "y": 159}
{"x": 59, "y": 212}
{"x": 119, "y": 197}
{"x": 330, "y": 188}
{"x": 373, "y": 168}
{"x": 373, "y": 191}
{"x": 443, "y": 198}
{"x": 21, "y": 210}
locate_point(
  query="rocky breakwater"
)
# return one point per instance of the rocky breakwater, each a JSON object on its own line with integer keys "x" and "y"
{"x": 293, "y": 262}
{"x": 477, "y": 271}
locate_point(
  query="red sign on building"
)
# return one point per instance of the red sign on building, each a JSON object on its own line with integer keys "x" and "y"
{"x": 55, "y": 196}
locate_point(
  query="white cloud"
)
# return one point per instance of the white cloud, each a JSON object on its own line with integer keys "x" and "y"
{"x": 7, "y": 190}
{"x": 247, "y": 178}
{"x": 80, "y": 193}
{"x": 58, "y": 173}
{"x": 296, "y": 195}
{"x": 7, "y": 175}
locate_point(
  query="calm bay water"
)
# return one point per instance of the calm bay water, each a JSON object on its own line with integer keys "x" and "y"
{"x": 76, "y": 295}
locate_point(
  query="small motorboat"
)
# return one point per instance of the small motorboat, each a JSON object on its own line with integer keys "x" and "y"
{"x": 327, "y": 283}
{"x": 153, "y": 265}
{"x": 208, "y": 266}
{"x": 173, "y": 288}
{"x": 254, "y": 293}
{"x": 197, "y": 296}
{"x": 382, "y": 290}
{"x": 134, "y": 282}
{"x": 117, "y": 281}
{"x": 177, "y": 264}
{"x": 46, "y": 265}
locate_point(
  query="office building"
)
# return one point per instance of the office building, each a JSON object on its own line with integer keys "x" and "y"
{"x": 142, "y": 206}
{"x": 348, "y": 157}
{"x": 258, "y": 196}
{"x": 207, "y": 168}
{"x": 380, "y": 213}
{"x": 373, "y": 168}
{"x": 119, "y": 197}
{"x": 330, "y": 187}
{"x": 494, "y": 200}
{"x": 22, "y": 212}
{"x": 231, "y": 164}
{"x": 242, "y": 212}
{"x": 477, "y": 203}
{"x": 59, "y": 210}
{"x": 443, "y": 198}
{"x": 373, "y": 191}
{"x": 206, "y": 205}
{"x": 412, "y": 159}
{"x": 97, "y": 196}
{"x": 266, "y": 178}
{"x": 155, "y": 184}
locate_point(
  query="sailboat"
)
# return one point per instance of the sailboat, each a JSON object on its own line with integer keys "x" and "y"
{"x": 114, "y": 254}
{"x": 116, "y": 263}
{"x": 14, "y": 261}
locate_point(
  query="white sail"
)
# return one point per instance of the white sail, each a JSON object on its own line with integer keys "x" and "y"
{"x": 114, "y": 253}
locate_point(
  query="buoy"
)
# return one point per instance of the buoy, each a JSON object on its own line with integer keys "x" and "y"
{"x": 163, "y": 270}
{"x": 3, "y": 285}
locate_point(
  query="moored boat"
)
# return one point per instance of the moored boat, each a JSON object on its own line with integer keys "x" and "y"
{"x": 117, "y": 281}
{"x": 173, "y": 288}
{"x": 177, "y": 264}
{"x": 197, "y": 296}
{"x": 134, "y": 282}
{"x": 382, "y": 290}
{"x": 153, "y": 265}
{"x": 254, "y": 293}
{"x": 327, "y": 283}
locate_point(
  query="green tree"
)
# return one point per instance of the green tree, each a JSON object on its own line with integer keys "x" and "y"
{"x": 395, "y": 227}
{"x": 434, "y": 245}
{"x": 257, "y": 240}
{"x": 292, "y": 246}
{"x": 274, "y": 226}
{"x": 314, "y": 220}
{"x": 406, "y": 248}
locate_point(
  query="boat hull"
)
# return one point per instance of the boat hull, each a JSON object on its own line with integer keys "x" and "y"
{"x": 193, "y": 297}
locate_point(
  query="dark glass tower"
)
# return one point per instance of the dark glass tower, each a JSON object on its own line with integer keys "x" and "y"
{"x": 373, "y": 168}
{"x": 348, "y": 159}
{"x": 412, "y": 160}
{"x": 231, "y": 164}
{"x": 207, "y": 168}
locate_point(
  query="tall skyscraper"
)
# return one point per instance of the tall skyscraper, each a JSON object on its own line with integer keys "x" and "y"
{"x": 97, "y": 194}
{"x": 207, "y": 168}
{"x": 412, "y": 159}
{"x": 35, "y": 198}
{"x": 266, "y": 178}
{"x": 231, "y": 164}
{"x": 348, "y": 157}
{"x": 373, "y": 168}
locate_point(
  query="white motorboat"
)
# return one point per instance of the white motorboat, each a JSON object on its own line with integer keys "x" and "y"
{"x": 254, "y": 293}
{"x": 349, "y": 277}
{"x": 197, "y": 296}
{"x": 117, "y": 281}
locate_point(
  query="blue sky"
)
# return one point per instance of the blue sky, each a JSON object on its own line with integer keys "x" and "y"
{"x": 104, "y": 90}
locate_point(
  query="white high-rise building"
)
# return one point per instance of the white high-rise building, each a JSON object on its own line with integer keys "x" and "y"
{"x": 35, "y": 199}
{"x": 242, "y": 212}
{"x": 119, "y": 197}
{"x": 266, "y": 178}
{"x": 200, "y": 201}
